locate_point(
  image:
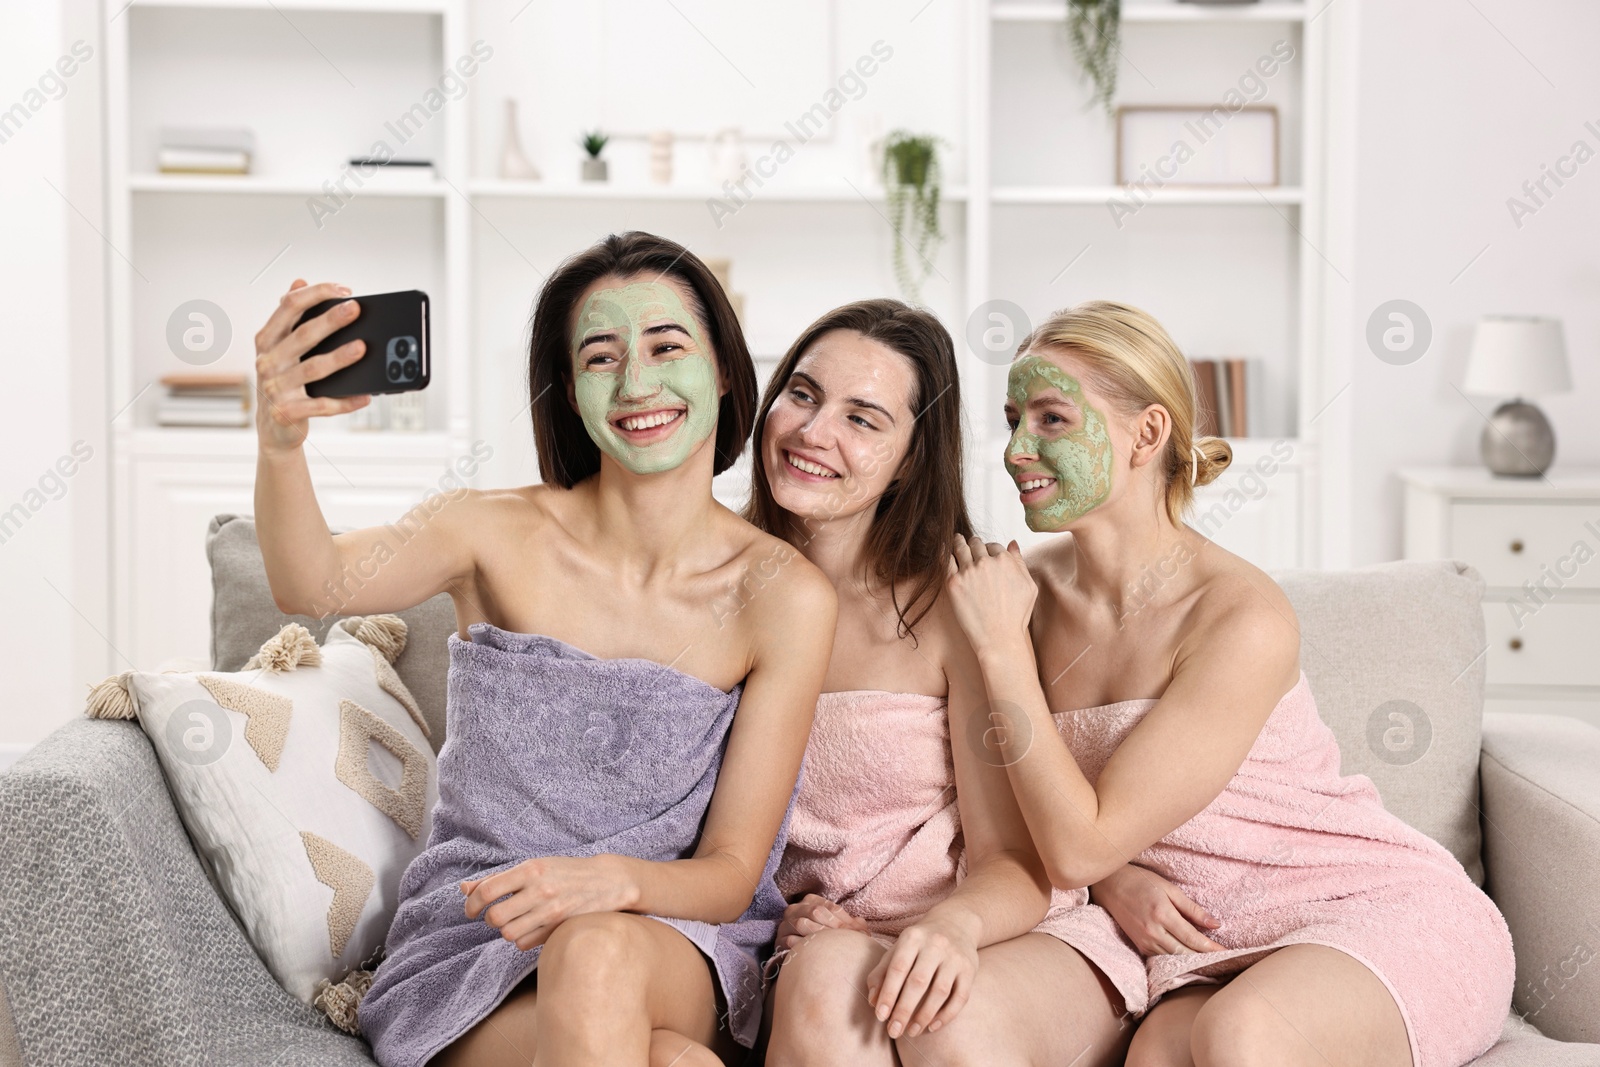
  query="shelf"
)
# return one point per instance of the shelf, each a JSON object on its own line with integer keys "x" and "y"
{"x": 810, "y": 194}
{"x": 1101, "y": 194}
{"x": 226, "y": 443}
{"x": 249, "y": 185}
{"x": 1032, "y": 11}
{"x": 365, "y": 7}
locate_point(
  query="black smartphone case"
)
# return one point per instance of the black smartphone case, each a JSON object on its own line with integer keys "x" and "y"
{"x": 398, "y": 356}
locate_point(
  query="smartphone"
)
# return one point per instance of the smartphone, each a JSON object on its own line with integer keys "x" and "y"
{"x": 395, "y": 328}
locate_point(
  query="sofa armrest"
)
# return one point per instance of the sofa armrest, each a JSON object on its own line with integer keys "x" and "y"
{"x": 114, "y": 947}
{"x": 1541, "y": 854}
{"x": 10, "y": 1054}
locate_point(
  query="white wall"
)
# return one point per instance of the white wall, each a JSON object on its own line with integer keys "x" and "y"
{"x": 1457, "y": 109}
{"x": 51, "y": 614}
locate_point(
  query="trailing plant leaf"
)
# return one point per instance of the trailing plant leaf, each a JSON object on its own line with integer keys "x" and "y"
{"x": 911, "y": 184}
{"x": 1094, "y": 28}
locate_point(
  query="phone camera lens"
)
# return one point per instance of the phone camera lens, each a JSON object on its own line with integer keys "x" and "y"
{"x": 403, "y": 359}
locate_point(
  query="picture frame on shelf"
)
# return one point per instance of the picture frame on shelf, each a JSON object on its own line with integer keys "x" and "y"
{"x": 1195, "y": 145}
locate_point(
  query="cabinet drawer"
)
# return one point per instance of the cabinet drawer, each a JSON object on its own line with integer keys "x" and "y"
{"x": 1553, "y": 645}
{"x": 1511, "y": 544}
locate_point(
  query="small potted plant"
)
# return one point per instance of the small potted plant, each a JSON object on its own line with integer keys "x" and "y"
{"x": 594, "y": 168}
{"x": 911, "y": 186}
{"x": 1093, "y": 29}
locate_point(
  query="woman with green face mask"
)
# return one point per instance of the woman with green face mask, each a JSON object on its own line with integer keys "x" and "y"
{"x": 1165, "y": 748}
{"x": 922, "y": 929}
{"x": 631, "y": 686}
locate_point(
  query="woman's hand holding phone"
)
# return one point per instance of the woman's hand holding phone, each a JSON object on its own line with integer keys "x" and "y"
{"x": 283, "y": 409}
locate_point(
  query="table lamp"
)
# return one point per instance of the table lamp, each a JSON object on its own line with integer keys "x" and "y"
{"x": 1518, "y": 356}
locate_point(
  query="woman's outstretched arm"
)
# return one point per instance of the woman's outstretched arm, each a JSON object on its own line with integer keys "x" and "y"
{"x": 1227, "y": 677}
{"x": 310, "y": 570}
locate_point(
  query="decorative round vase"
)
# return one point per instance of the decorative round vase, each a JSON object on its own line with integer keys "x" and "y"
{"x": 1518, "y": 441}
{"x": 594, "y": 170}
{"x": 514, "y": 163}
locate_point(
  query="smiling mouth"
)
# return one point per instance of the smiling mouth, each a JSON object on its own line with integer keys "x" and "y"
{"x": 806, "y": 466}
{"x": 1035, "y": 487}
{"x": 649, "y": 423}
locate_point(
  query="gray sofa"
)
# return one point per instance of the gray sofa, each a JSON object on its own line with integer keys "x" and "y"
{"x": 114, "y": 946}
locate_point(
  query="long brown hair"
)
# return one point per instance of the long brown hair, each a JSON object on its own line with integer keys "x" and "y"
{"x": 925, "y": 506}
{"x": 567, "y": 454}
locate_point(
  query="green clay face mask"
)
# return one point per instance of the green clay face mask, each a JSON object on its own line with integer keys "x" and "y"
{"x": 1079, "y": 459}
{"x": 647, "y": 394}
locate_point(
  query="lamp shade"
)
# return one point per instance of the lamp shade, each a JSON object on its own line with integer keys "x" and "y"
{"x": 1515, "y": 356}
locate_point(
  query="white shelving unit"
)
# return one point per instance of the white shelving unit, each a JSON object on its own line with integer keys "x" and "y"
{"x": 182, "y": 237}
{"x": 818, "y": 194}
{"x": 1027, "y": 173}
{"x": 1012, "y": 96}
{"x": 1161, "y": 12}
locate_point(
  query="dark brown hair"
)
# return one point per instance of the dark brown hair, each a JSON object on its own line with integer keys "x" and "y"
{"x": 925, "y": 506}
{"x": 567, "y": 454}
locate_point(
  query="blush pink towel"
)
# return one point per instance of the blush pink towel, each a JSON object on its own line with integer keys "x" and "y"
{"x": 876, "y": 829}
{"x": 1293, "y": 852}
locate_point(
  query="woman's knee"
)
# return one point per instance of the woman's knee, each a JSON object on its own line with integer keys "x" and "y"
{"x": 592, "y": 955}
{"x": 1238, "y": 1028}
{"x": 961, "y": 1042}
{"x": 822, "y": 983}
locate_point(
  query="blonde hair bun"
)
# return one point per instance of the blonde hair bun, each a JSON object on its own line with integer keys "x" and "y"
{"x": 1213, "y": 455}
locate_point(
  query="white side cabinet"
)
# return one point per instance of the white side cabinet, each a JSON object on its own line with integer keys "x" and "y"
{"x": 1536, "y": 541}
{"x": 164, "y": 594}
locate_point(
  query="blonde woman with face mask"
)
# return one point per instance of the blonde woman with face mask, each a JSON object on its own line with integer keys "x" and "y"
{"x": 1163, "y": 742}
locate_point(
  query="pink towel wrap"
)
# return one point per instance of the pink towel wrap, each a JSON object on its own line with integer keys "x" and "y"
{"x": 1293, "y": 852}
{"x": 876, "y": 829}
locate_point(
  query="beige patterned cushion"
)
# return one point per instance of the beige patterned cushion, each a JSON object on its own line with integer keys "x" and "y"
{"x": 243, "y": 615}
{"x": 307, "y": 784}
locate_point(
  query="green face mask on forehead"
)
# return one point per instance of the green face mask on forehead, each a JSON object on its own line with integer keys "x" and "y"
{"x": 639, "y": 372}
{"x": 1080, "y": 459}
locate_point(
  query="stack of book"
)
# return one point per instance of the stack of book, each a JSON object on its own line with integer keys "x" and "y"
{"x": 205, "y": 150}
{"x": 1223, "y": 388}
{"x": 204, "y": 399}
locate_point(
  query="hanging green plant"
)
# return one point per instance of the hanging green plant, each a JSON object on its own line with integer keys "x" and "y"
{"x": 911, "y": 184}
{"x": 1094, "y": 28}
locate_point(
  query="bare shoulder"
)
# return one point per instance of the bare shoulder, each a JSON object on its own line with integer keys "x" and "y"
{"x": 520, "y": 511}
{"x": 782, "y": 587}
{"x": 1240, "y": 610}
{"x": 940, "y": 637}
{"x": 777, "y": 596}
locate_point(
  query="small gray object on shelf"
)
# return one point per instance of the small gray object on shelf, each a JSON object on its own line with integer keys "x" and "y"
{"x": 1518, "y": 356}
{"x": 1518, "y": 441}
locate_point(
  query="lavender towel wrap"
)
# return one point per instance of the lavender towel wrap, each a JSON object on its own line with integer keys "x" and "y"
{"x": 551, "y": 751}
